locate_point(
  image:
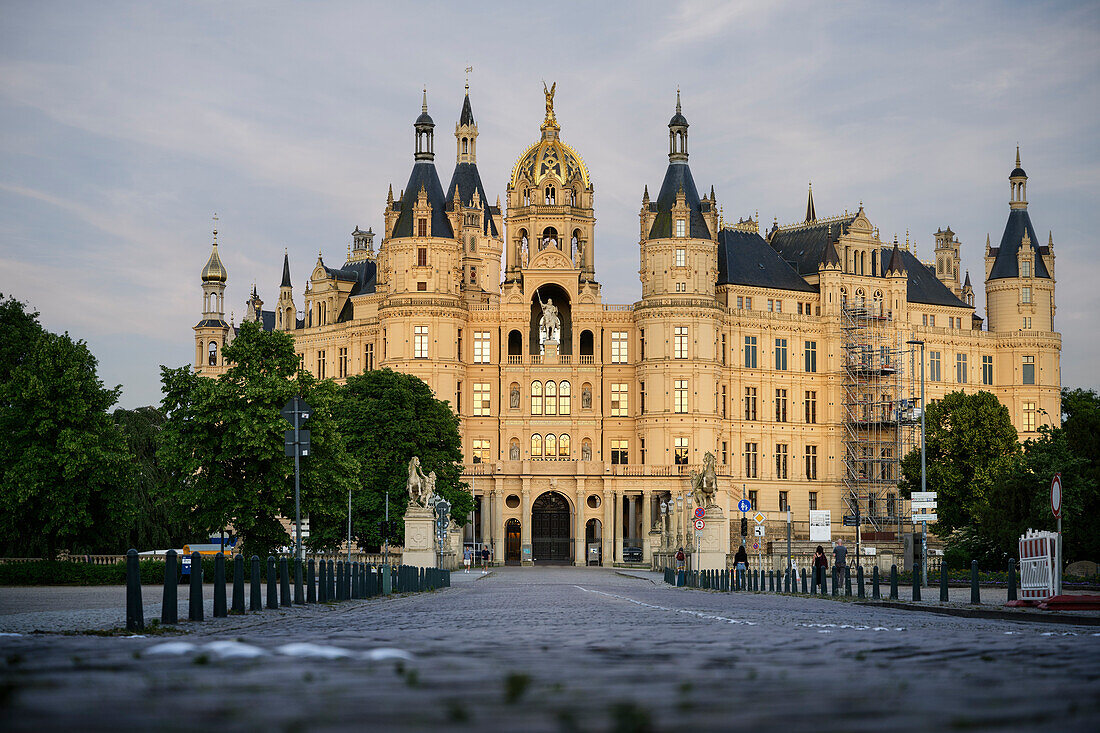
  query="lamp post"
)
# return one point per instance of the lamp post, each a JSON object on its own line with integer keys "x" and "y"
{"x": 923, "y": 469}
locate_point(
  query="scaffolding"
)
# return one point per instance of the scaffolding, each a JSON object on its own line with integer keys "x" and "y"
{"x": 881, "y": 414}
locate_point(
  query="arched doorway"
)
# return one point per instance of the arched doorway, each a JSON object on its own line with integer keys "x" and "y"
{"x": 550, "y": 529}
{"x": 593, "y": 537}
{"x": 511, "y": 541}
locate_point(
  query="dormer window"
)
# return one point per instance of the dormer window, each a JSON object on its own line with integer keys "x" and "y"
{"x": 681, "y": 257}
{"x": 680, "y": 228}
{"x": 421, "y": 227}
{"x": 1025, "y": 268}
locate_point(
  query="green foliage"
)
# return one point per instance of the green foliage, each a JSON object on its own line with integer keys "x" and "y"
{"x": 388, "y": 417}
{"x": 224, "y": 437}
{"x": 969, "y": 440}
{"x": 66, "y": 474}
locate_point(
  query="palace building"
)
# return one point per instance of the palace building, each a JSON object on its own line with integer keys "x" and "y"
{"x": 791, "y": 354}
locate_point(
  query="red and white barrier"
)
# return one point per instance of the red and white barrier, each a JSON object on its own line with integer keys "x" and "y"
{"x": 1038, "y": 556}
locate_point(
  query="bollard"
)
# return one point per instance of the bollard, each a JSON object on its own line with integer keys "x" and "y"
{"x": 875, "y": 593}
{"x": 298, "y": 599}
{"x": 169, "y": 611}
{"x": 135, "y": 611}
{"x": 311, "y": 584}
{"x": 824, "y": 581}
{"x": 848, "y": 581}
{"x": 943, "y": 582}
{"x": 284, "y": 582}
{"x": 859, "y": 582}
{"x": 787, "y": 581}
{"x": 355, "y": 580}
{"x": 804, "y": 590}
{"x": 771, "y": 581}
{"x": 220, "y": 610}
{"x": 322, "y": 582}
{"x": 256, "y": 598}
{"x": 238, "y": 583}
{"x": 387, "y": 579}
{"x": 836, "y": 581}
{"x": 975, "y": 592}
{"x": 1011, "y": 579}
{"x": 893, "y": 582}
{"x": 916, "y": 581}
{"x": 331, "y": 592}
{"x": 272, "y": 592}
{"x": 347, "y": 580}
{"x": 195, "y": 608}
{"x": 813, "y": 579}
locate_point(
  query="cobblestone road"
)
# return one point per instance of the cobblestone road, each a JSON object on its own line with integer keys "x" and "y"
{"x": 561, "y": 650}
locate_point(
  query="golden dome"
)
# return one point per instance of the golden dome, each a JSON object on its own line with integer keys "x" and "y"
{"x": 549, "y": 156}
{"x": 214, "y": 271}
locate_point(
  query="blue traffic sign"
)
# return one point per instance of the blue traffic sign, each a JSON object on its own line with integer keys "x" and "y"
{"x": 744, "y": 505}
{"x": 700, "y": 512}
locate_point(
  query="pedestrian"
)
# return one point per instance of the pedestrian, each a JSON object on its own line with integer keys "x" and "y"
{"x": 680, "y": 557}
{"x": 821, "y": 564}
{"x": 484, "y": 558}
{"x": 840, "y": 555}
{"x": 741, "y": 560}
{"x": 467, "y": 556}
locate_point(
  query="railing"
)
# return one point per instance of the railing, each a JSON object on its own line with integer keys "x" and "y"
{"x": 617, "y": 308}
{"x": 588, "y": 359}
{"x": 515, "y": 358}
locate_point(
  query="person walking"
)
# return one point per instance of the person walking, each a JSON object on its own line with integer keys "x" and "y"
{"x": 680, "y": 557}
{"x": 741, "y": 560}
{"x": 484, "y": 559}
{"x": 821, "y": 564}
{"x": 467, "y": 556}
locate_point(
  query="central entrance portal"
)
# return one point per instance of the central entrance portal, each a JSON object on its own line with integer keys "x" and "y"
{"x": 550, "y": 529}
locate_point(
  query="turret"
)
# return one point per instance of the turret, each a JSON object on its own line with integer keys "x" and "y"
{"x": 286, "y": 315}
{"x": 948, "y": 259}
{"x": 211, "y": 332}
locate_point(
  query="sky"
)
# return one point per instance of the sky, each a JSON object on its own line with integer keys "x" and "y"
{"x": 124, "y": 127}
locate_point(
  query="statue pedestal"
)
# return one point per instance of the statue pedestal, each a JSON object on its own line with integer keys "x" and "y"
{"x": 714, "y": 541}
{"x": 550, "y": 352}
{"x": 420, "y": 549}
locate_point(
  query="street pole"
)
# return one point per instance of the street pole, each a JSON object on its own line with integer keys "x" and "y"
{"x": 297, "y": 486}
{"x": 923, "y": 478}
{"x": 349, "y": 525}
{"x": 788, "y": 537}
{"x": 386, "y": 539}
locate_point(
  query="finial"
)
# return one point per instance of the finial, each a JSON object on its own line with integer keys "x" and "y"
{"x": 1017, "y": 155}
{"x": 215, "y": 228}
{"x": 907, "y": 239}
{"x": 424, "y": 104}
{"x": 1050, "y": 238}
{"x": 677, "y": 100}
{"x": 468, "y": 70}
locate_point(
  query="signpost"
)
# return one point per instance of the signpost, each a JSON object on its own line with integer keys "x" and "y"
{"x": 297, "y": 412}
{"x": 1056, "y": 507}
{"x": 923, "y": 505}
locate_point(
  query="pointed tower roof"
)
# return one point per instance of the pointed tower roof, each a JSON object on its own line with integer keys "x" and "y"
{"x": 286, "y": 271}
{"x": 897, "y": 265}
{"x": 829, "y": 257}
{"x": 966, "y": 282}
{"x": 423, "y": 176}
{"x": 467, "y": 115}
{"x": 811, "y": 213}
{"x": 1018, "y": 172}
{"x": 466, "y": 179}
{"x": 678, "y": 179}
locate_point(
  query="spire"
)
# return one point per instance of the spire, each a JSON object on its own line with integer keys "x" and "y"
{"x": 811, "y": 213}
{"x": 677, "y": 100}
{"x": 1017, "y": 181}
{"x": 214, "y": 271}
{"x": 467, "y": 115}
{"x": 966, "y": 282}
{"x": 897, "y": 265}
{"x": 425, "y": 131}
{"x": 286, "y": 270}
{"x": 1017, "y": 155}
{"x": 677, "y": 134}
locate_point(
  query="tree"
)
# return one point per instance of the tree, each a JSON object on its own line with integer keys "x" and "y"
{"x": 65, "y": 475}
{"x": 388, "y": 417}
{"x": 969, "y": 440}
{"x": 225, "y": 436}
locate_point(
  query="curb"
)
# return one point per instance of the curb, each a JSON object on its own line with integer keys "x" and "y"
{"x": 634, "y": 577}
{"x": 990, "y": 613}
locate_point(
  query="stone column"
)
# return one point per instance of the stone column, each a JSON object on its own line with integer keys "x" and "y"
{"x": 647, "y": 524}
{"x": 608, "y": 525}
{"x": 498, "y": 522}
{"x": 580, "y": 548}
{"x": 525, "y": 549}
{"x": 619, "y": 497}
{"x": 632, "y": 518}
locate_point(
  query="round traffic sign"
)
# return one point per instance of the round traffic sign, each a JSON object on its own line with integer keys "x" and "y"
{"x": 756, "y": 545}
{"x": 699, "y": 524}
{"x": 1056, "y": 495}
{"x": 700, "y": 512}
{"x": 744, "y": 505}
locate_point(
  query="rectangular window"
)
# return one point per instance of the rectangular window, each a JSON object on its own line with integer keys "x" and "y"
{"x": 725, "y": 452}
{"x": 641, "y": 449}
{"x": 811, "y": 356}
{"x": 750, "y": 352}
{"x": 781, "y": 466}
{"x": 750, "y": 460}
{"x": 924, "y": 320}
{"x": 473, "y": 275}
{"x": 781, "y": 354}
{"x": 813, "y": 500}
{"x": 482, "y": 348}
{"x": 680, "y": 227}
{"x": 681, "y": 455}
{"x": 811, "y": 462}
{"x": 680, "y": 396}
{"x": 421, "y": 256}
{"x": 421, "y": 287}
{"x": 960, "y": 368}
{"x": 934, "y": 374}
{"x": 368, "y": 357}
{"x": 681, "y": 256}
{"x": 891, "y": 505}
{"x": 811, "y": 406}
{"x": 619, "y": 452}
{"x": 932, "y": 320}
{"x": 1025, "y": 294}
{"x": 680, "y": 345}
{"x": 1029, "y": 417}
{"x": 752, "y": 499}
{"x": 342, "y": 362}
{"x": 420, "y": 342}
{"x": 771, "y": 304}
{"x": 723, "y": 398}
{"x": 723, "y": 349}
{"x": 458, "y": 397}
{"x": 1027, "y": 323}
{"x": 781, "y": 405}
{"x": 481, "y": 399}
{"x": 987, "y": 370}
{"x": 619, "y": 401}
{"x": 748, "y": 303}
{"x": 480, "y": 452}
{"x": 750, "y": 403}
{"x": 1025, "y": 268}
{"x": 740, "y": 301}
{"x": 421, "y": 227}
{"x": 1029, "y": 370}
{"x": 618, "y": 347}
{"x": 320, "y": 364}
{"x": 641, "y": 344}
{"x": 458, "y": 349}
{"x": 783, "y": 500}
{"x": 641, "y": 397}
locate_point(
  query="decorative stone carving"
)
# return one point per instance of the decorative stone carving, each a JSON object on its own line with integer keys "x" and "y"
{"x": 586, "y": 398}
{"x": 704, "y": 485}
{"x": 513, "y": 398}
{"x": 421, "y": 488}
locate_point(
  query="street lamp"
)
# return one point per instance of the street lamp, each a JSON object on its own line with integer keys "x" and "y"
{"x": 923, "y": 469}
{"x": 442, "y": 513}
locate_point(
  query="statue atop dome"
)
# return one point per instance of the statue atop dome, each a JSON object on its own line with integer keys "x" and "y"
{"x": 550, "y": 119}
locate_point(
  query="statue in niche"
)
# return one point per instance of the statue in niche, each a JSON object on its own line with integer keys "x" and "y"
{"x": 549, "y": 321}
{"x": 513, "y": 452}
{"x": 586, "y": 451}
{"x": 513, "y": 398}
{"x": 586, "y": 398}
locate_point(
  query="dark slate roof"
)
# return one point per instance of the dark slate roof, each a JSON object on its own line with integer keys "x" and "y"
{"x": 423, "y": 176}
{"x": 267, "y": 320}
{"x": 744, "y": 258}
{"x": 805, "y": 246}
{"x": 364, "y": 272}
{"x": 286, "y": 272}
{"x": 1006, "y": 264}
{"x": 1017, "y": 172}
{"x": 923, "y": 286}
{"x": 341, "y": 273}
{"x": 212, "y": 323}
{"x": 467, "y": 179}
{"x": 678, "y": 176}
{"x": 467, "y": 116}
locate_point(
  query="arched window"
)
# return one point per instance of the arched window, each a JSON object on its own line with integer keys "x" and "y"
{"x": 551, "y": 445}
{"x": 563, "y": 398}
{"x": 536, "y": 398}
{"x": 515, "y": 343}
{"x": 526, "y": 197}
{"x": 551, "y": 399}
{"x": 536, "y": 446}
{"x": 465, "y": 145}
{"x": 572, "y": 197}
{"x": 843, "y": 293}
{"x": 563, "y": 446}
{"x": 213, "y": 354}
{"x": 550, "y": 196}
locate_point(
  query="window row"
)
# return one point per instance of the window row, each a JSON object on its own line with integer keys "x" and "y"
{"x": 751, "y": 464}
{"x": 809, "y": 354}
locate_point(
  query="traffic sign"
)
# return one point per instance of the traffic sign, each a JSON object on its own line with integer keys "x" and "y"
{"x": 296, "y": 405}
{"x": 923, "y": 495}
{"x": 759, "y": 517}
{"x": 759, "y": 530}
{"x": 850, "y": 520}
{"x": 744, "y": 506}
{"x": 923, "y": 506}
{"x": 699, "y": 525}
{"x": 700, "y": 512}
{"x": 925, "y": 517}
{"x": 1056, "y": 495}
{"x": 756, "y": 545}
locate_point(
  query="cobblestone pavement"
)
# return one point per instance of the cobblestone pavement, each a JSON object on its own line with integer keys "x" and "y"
{"x": 563, "y": 649}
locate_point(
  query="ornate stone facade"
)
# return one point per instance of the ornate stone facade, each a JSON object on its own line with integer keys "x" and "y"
{"x": 784, "y": 355}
